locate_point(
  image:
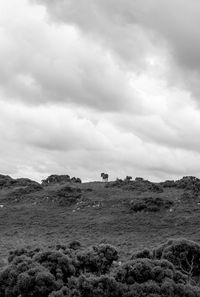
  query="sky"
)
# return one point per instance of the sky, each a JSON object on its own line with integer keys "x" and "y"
{"x": 91, "y": 86}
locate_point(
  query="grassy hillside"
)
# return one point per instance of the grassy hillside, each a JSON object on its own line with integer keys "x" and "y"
{"x": 96, "y": 213}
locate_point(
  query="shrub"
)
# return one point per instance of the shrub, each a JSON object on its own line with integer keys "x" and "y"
{"x": 184, "y": 254}
{"x": 142, "y": 254}
{"x": 75, "y": 245}
{"x": 162, "y": 272}
{"x": 63, "y": 292}
{"x": 97, "y": 259}
{"x": 150, "y": 204}
{"x": 76, "y": 180}
{"x": 143, "y": 270}
{"x": 22, "y": 251}
{"x": 168, "y": 184}
{"x": 54, "y": 178}
{"x": 189, "y": 183}
{"x": 103, "y": 286}
{"x": 68, "y": 195}
{"x": 155, "y": 278}
{"x": 59, "y": 264}
{"x": 167, "y": 289}
{"x": 25, "y": 277}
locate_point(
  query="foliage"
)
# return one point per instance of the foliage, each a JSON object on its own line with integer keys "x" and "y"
{"x": 128, "y": 178}
{"x": 139, "y": 184}
{"x": 145, "y": 277}
{"x": 184, "y": 254}
{"x": 150, "y": 204}
{"x": 168, "y": 184}
{"x": 189, "y": 183}
{"x": 7, "y": 181}
{"x": 52, "y": 273}
{"x": 74, "y": 245}
{"x": 24, "y": 277}
{"x": 103, "y": 286}
{"x": 68, "y": 195}
{"x": 146, "y": 253}
{"x": 143, "y": 270}
{"x": 97, "y": 259}
{"x": 59, "y": 264}
{"x": 22, "y": 251}
{"x": 75, "y": 180}
{"x": 64, "y": 178}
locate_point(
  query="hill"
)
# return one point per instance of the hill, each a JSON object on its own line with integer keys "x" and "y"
{"x": 128, "y": 214}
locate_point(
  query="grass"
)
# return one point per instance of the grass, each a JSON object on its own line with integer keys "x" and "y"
{"x": 101, "y": 215}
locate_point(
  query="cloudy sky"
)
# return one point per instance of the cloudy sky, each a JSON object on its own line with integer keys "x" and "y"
{"x": 91, "y": 86}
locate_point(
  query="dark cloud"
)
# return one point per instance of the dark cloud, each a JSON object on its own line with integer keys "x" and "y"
{"x": 144, "y": 27}
{"x": 90, "y": 86}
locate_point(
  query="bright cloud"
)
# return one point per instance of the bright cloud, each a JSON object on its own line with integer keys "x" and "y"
{"x": 96, "y": 86}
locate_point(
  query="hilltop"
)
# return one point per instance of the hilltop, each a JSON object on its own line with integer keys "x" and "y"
{"x": 130, "y": 214}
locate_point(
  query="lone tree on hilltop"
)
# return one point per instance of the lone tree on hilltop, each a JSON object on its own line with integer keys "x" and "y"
{"x": 104, "y": 177}
{"x": 128, "y": 178}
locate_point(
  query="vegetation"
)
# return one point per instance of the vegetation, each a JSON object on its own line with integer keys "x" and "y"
{"x": 95, "y": 272}
{"x": 104, "y": 176}
{"x": 54, "y": 178}
{"x": 97, "y": 214}
{"x": 185, "y": 256}
{"x": 68, "y": 195}
{"x": 150, "y": 204}
{"x": 139, "y": 184}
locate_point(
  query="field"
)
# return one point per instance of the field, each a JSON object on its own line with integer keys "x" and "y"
{"x": 101, "y": 215}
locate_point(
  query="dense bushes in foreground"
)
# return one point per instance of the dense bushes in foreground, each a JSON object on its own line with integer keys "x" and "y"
{"x": 172, "y": 269}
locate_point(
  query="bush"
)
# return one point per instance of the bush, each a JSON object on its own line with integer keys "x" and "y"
{"x": 74, "y": 245}
{"x": 189, "y": 183}
{"x": 166, "y": 289}
{"x": 68, "y": 195}
{"x": 97, "y": 259}
{"x": 25, "y": 277}
{"x": 63, "y": 178}
{"x": 59, "y": 265}
{"x": 158, "y": 278}
{"x": 103, "y": 286}
{"x": 143, "y": 270}
{"x": 76, "y": 180}
{"x": 168, "y": 184}
{"x": 184, "y": 254}
{"x": 143, "y": 254}
{"x": 90, "y": 273}
{"x": 22, "y": 251}
{"x": 150, "y": 204}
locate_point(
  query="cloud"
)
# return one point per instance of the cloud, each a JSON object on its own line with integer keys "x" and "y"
{"x": 151, "y": 27}
{"x": 92, "y": 86}
{"x": 51, "y": 128}
{"x": 39, "y": 141}
{"x": 47, "y": 63}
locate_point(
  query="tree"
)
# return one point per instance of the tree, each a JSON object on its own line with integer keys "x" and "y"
{"x": 128, "y": 178}
{"x": 104, "y": 177}
{"x": 185, "y": 256}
